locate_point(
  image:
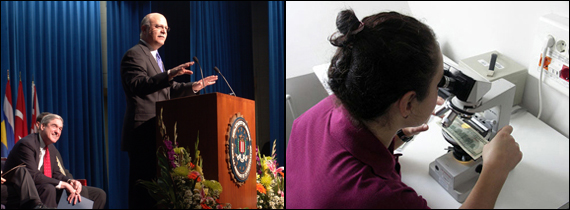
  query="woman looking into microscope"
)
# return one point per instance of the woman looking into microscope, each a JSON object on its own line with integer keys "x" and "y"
{"x": 384, "y": 76}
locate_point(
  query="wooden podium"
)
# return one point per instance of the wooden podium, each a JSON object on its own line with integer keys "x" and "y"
{"x": 210, "y": 115}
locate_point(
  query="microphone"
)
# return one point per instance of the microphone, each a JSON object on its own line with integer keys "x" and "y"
{"x": 202, "y": 73}
{"x": 218, "y": 70}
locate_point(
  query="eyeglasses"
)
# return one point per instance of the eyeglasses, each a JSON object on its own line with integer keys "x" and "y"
{"x": 161, "y": 27}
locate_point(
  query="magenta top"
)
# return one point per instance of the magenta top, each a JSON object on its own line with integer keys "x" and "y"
{"x": 333, "y": 164}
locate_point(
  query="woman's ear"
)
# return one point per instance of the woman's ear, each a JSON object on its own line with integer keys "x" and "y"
{"x": 405, "y": 103}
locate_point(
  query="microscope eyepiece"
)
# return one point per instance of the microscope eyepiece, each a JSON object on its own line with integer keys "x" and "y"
{"x": 446, "y": 82}
{"x": 457, "y": 83}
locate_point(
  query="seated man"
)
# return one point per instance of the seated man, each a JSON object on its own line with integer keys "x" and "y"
{"x": 59, "y": 160}
{"x": 34, "y": 151}
{"x": 19, "y": 190}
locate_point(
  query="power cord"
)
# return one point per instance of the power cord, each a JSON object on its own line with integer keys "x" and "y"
{"x": 549, "y": 43}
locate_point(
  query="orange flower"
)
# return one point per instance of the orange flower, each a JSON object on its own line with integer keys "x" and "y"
{"x": 204, "y": 206}
{"x": 192, "y": 176}
{"x": 282, "y": 175}
{"x": 261, "y": 189}
{"x": 191, "y": 165}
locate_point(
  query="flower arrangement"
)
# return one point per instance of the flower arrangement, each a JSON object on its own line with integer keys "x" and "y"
{"x": 270, "y": 182}
{"x": 181, "y": 184}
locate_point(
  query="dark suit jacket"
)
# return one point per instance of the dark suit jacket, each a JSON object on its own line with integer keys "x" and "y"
{"x": 27, "y": 151}
{"x": 65, "y": 172}
{"x": 144, "y": 84}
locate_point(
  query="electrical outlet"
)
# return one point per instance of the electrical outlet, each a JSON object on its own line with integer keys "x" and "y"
{"x": 560, "y": 46}
{"x": 555, "y": 71}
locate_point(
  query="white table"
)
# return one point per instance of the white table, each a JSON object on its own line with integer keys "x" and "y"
{"x": 540, "y": 180}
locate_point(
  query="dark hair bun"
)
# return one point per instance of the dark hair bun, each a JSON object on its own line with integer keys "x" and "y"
{"x": 346, "y": 21}
{"x": 377, "y": 63}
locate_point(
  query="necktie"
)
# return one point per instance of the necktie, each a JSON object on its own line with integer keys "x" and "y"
{"x": 159, "y": 61}
{"x": 47, "y": 164}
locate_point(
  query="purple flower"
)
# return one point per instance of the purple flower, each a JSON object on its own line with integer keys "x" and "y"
{"x": 168, "y": 144}
{"x": 170, "y": 152}
{"x": 171, "y": 158}
{"x": 257, "y": 157}
{"x": 258, "y": 166}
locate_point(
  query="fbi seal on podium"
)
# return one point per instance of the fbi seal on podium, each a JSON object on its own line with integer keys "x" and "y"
{"x": 239, "y": 149}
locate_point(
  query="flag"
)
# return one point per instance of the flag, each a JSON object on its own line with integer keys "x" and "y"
{"x": 35, "y": 109}
{"x": 4, "y": 135}
{"x": 21, "y": 127}
{"x": 7, "y": 125}
{"x": 241, "y": 145}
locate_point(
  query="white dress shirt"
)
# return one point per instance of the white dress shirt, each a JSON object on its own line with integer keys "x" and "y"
{"x": 153, "y": 52}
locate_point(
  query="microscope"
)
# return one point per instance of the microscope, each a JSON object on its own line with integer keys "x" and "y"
{"x": 485, "y": 107}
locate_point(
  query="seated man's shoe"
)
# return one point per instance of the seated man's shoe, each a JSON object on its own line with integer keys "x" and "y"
{"x": 42, "y": 206}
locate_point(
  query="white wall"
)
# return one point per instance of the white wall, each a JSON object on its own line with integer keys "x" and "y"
{"x": 310, "y": 24}
{"x": 465, "y": 29}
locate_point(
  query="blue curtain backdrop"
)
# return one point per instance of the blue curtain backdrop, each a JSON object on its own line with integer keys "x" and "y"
{"x": 220, "y": 35}
{"x": 5, "y": 64}
{"x": 277, "y": 77}
{"x": 58, "y": 44}
{"x": 123, "y": 19}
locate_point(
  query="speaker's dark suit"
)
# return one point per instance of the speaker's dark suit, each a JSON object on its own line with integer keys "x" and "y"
{"x": 27, "y": 151}
{"x": 144, "y": 84}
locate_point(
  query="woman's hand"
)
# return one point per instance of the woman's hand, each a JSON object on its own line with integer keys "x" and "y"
{"x": 502, "y": 153}
{"x": 411, "y": 131}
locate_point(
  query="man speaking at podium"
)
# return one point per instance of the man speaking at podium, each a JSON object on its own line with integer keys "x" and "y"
{"x": 146, "y": 81}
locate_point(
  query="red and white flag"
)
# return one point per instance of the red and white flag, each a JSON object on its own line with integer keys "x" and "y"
{"x": 21, "y": 127}
{"x": 241, "y": 145}
{"x": 35, "y": 109}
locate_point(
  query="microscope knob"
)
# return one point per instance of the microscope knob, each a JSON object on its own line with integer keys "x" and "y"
{"x": 448, "y": 119}
{"x": 479, "y": 168}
